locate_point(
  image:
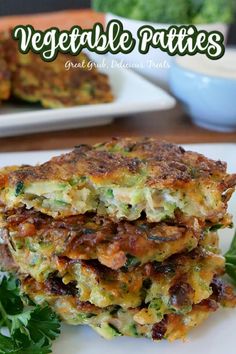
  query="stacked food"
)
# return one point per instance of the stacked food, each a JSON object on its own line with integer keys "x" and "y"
{"x": 121, "y": 236}
{"x": 53, "y": 84}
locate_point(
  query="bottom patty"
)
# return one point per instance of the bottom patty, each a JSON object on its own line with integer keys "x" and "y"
{"x": 114, "y": 321}
{"x": 189, "y": 275}
{"x": 177, "y": 295}
{"x": 104, "y": 287}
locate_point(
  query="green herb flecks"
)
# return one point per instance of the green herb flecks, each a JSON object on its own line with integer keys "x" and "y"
{"x": 19, "y": 188}
{"x": 30, "y": 328}
{"x": 131, "y": 261}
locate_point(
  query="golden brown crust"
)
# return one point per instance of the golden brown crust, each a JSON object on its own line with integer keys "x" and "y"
{"x": 161, "y": 165}
{"x": 171, "y": 326}
{"x": 124, "y": 179}
{"x": 180, "y": 278}
{"x": 93, "y": 237}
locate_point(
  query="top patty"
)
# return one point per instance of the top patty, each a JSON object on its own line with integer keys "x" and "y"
{"x": 122, "y": 179}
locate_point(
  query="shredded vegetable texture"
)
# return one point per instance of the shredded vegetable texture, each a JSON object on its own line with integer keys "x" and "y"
{"x": 230, "y": 258}
{"x": 24, "y": 327}
{"x": 171, "y": 11}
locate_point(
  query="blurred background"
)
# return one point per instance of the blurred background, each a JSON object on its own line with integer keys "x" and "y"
{"x": 14, "y": 7}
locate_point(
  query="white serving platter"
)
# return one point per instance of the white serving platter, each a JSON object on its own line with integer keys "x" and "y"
{"x": 214, "y": 336}
{"x": 133, "y": 94}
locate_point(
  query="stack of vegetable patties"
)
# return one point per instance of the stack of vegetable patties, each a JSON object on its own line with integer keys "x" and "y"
{"x": 66, "y": 81}
{"x": 121, "y": 236}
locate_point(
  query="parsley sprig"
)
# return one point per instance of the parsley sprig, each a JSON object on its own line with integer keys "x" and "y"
{"x": 25, "y": 328}
{"x": 230, "y": 258}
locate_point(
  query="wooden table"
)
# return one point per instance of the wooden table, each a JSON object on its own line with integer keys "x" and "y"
{"x": 172, "y": 125}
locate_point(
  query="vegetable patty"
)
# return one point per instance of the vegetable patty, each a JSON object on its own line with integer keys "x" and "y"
{"x": 124, "y": 179}
{"x": 114, "y": 321}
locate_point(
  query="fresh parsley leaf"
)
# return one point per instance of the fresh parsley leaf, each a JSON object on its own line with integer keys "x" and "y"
{"x": 43, "y": 323}
{"x": 10, "y": 301}
{"x": 36, "y": 348}
{"x": 7, "y": 346}
{"x": 20, "y": 321}
{"x": 215, "y": 227}
{"x": 31, "y": 328}
{"x": 230, "y": 260}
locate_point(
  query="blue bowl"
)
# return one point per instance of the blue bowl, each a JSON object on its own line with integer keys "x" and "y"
{"x": 209, "y": 100}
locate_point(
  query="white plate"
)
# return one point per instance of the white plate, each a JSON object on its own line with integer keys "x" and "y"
{"x": 133, "y": 94}
{"x": 214, "y": 336}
